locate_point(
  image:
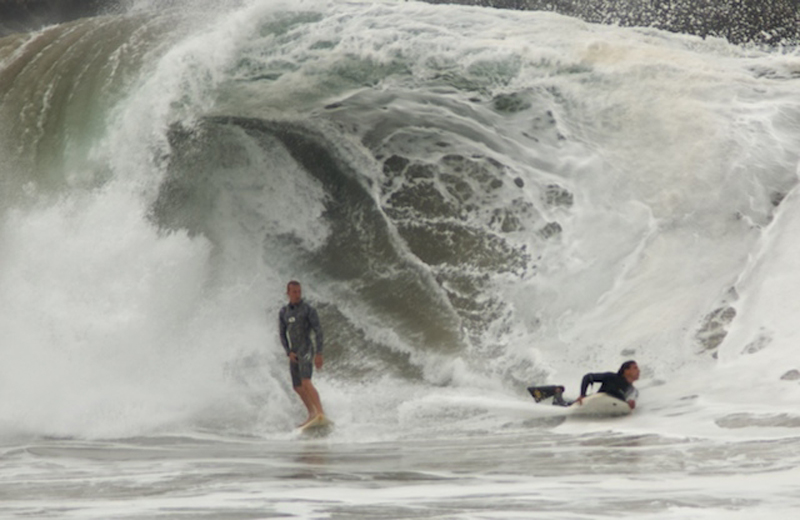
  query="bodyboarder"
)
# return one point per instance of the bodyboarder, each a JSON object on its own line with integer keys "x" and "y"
{"x": 618, "y": 385}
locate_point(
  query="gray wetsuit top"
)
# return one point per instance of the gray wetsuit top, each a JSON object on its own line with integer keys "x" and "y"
{"x": 296, "y": 324}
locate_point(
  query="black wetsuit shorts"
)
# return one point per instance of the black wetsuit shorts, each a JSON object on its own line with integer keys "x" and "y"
{"x": 302, "y": 369}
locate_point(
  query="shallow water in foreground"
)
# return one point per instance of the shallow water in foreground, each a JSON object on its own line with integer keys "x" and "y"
{"x": 519, "y": 473}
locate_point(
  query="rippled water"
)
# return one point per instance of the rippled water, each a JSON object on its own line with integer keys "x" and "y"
{"x": 537, "y": 473}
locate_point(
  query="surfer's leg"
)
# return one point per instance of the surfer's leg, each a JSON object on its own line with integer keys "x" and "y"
{"x": 313, "y": 397}
{"x": 297, "y": 371}
{"x": 303, "y": 393}
{"x": 306, "y": 370}
{"x": 311, "y": 412}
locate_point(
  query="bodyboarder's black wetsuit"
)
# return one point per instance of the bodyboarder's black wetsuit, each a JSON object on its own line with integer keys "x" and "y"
{"x": 612, "y": 384}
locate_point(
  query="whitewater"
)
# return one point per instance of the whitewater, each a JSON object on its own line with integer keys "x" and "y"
{"x": 475, "y": 200}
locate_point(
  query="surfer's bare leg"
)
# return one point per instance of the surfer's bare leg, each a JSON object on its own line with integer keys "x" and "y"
{"x": 313, "y": 402}
{"x": 302, "y": 391}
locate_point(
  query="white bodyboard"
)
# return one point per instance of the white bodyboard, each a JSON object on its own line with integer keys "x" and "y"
{"x": 600, "y": 404}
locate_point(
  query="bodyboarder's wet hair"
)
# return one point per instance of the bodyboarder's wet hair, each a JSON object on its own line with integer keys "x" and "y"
{"x": 625, "y": 366}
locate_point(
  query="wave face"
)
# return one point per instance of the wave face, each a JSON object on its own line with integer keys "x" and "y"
{"x": 474, "y": 200}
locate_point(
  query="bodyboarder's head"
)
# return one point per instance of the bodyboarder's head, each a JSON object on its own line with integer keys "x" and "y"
{"x": 629, "y": 370}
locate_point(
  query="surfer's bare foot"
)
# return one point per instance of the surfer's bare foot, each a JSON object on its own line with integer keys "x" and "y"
{"x": 310, "y": 418}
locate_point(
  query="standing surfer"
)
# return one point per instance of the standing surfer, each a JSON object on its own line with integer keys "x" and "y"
{"x": 297, "y": 320}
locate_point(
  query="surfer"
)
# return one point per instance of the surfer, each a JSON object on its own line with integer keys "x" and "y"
{"x": 297, "y": 320}
{"x": 619, "y": 385}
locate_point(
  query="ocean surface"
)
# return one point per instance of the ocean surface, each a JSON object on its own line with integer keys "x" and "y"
{"x": 475, "y": 200}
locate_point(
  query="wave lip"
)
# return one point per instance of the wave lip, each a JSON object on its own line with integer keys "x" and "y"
{"x": 26, "y": 15}
{"x": 759, "y": 21}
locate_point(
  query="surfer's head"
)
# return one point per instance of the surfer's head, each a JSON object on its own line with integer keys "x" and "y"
{"x": 629, "y": 370}
{"x": 294, "y": 292}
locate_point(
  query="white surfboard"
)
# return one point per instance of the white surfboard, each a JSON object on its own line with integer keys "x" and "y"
{"x": 319, "y": 426}
{"x": 600, "y": 404}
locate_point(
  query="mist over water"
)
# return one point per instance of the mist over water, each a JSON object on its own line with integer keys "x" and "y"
{"x": 475, "y": 200}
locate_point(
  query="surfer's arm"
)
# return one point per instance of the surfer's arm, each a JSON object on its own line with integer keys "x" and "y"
{"x": 316, "y": 326}
{"x": 282, "y": 328}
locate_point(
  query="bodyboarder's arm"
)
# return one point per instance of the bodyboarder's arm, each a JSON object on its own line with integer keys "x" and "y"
{"x": 586, "y": 382}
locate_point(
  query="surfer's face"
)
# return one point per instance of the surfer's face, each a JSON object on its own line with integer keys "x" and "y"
{"x": 295, "y": 294}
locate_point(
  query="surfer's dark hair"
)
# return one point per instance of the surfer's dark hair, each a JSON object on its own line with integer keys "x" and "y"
{"x": 625, "y": 366}
{"x": 291, "y": 283}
